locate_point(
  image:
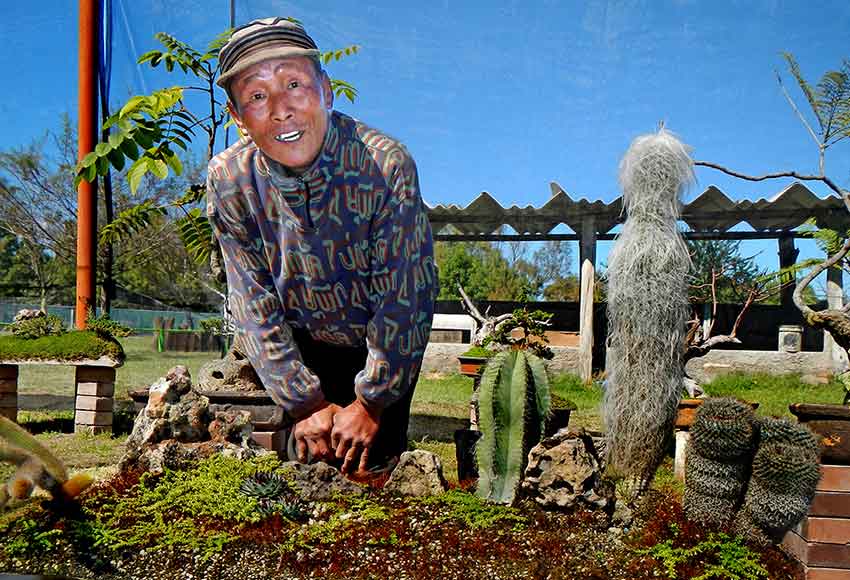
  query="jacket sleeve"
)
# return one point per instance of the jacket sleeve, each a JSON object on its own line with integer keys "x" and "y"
{"x": 402, "y": 289}
{"x": 256, "y": 306}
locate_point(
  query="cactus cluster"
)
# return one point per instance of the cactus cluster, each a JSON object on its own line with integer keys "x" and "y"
{"x": 785, "y": 472}
{"x": 722, "y": 441}
{"x": 274, "y": 496}
{"x": 758, "y": 473}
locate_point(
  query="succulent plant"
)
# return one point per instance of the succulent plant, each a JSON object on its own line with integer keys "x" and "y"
{"x": 514, "y": 403}
{"x": 264, "y": 485}
{"x": 785, "y": 473}
{"x": 717, "y": 460}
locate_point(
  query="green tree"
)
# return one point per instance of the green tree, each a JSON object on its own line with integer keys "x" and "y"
{"x": 483, "y": 271}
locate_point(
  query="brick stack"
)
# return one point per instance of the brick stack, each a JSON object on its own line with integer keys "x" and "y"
{"x": 9, "y": 391}
{"x": 95, "y": 387}
{"x": 822, "y": 540}
{"x": 273, "y": 441}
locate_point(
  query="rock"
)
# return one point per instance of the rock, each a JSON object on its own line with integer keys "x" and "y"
{"x": 418, "y": 473}
{"x": 231, "y": 373}
{"x": 175, "y": 428}
{"x": 319, "y": 481}
{"x": 565, "y": 470}
{"x": 231, "y": 426}
{"x": 28, "y": 314}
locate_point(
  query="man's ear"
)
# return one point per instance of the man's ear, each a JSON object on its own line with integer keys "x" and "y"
{"x": 234, "y": 114}
{"x": 327, "y": 92}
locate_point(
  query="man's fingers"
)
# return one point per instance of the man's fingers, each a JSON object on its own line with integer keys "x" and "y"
{"x": 336, "y": 439}
{"x": 350, "y": 458}
{"x": 364, "y": 459}
{"x": 342, "y": 447}
{"x": 321, "y": 449}
{"x": 301, "y": 449}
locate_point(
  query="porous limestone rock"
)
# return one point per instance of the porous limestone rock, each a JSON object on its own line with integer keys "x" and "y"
{"x": 418, "y": 473}
{"x": 319, "y": 481}
{"x": 231, "y": 373}
{"x": 565, "y": 470}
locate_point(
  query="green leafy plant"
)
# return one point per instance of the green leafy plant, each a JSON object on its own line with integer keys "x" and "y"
{"x": 38, "y": 327}
{"x": 514, "y": 402}
{"x": 29, "y": 539}
{"x": 533, "y": 332}
{"x": 213, "y": 325}
{"x": 474, "y": 513}
{"x": 105, "y": 326}
{"x": 719, "y": 555}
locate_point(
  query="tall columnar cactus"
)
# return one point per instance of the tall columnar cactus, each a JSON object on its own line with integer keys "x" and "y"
{"x": 514, "y": 402}
{"x": 647, "y": 307}
{"x": 785, "y": 473}
{"x": 723, "y": 439}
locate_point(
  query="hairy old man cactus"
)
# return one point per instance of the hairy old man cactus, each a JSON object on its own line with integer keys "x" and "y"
{"x": 514, "y": 402}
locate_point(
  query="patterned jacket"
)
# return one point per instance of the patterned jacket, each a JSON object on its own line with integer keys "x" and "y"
{"x": 343, "y": 251}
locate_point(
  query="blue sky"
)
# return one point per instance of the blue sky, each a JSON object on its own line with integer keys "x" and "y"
{"x": 501, "y": 96}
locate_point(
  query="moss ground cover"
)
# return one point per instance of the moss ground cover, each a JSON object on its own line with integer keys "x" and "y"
{"x": 71, "y": 346}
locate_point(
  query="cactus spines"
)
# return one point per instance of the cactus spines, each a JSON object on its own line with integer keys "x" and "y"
{"x": 724, "y": 429}
{"x": 264, "y": 485}
{"x": 717, "y": 461}
{"x": 513, "y": 404}
{"x": 785, "y": 473}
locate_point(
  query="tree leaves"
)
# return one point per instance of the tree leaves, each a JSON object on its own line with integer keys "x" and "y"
{"x": 130, "y": 222}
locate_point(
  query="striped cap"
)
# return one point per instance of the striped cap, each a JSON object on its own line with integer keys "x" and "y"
{"x": 261, "y": 40}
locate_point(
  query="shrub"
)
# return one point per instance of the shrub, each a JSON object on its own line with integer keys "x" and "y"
{"x": 37, "y": 327}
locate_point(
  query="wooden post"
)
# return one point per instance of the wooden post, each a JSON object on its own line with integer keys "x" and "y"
{"x": 587, "y": 246}
{"x": 835, "y": 300}
{"x": 787, "y": 257}
{"x": 585, "y": 348}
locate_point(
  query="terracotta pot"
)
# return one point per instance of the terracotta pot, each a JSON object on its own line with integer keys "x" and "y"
{"x": 688, "y": 412}
{"x": 471, "y": 366}
{"x": 831, "y": 424}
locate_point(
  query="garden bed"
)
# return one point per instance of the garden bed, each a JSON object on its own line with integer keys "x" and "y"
{"x": 69, "y": 347}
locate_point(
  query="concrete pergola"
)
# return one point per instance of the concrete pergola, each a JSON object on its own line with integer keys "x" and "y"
{"x": 708, "y": 217}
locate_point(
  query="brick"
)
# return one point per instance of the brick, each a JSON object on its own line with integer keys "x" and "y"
{"x": 834, "y": 478}
{"x": 95, "y": 374}
{"x": 93, "y": 418}
{"x": 826, "y": 530}
{"x": 272, "y": 440}
{"x": 9, "y": 372}
{"x": 826, "y": 574}
{"x": 85, "y": 403}
{"x": 9, "y": 400}
{"x": 10, "y": 413}
{"x": 96, "y": 389}
{"x": 92, "y": 429}
{"x": 817, "y": 554}
{"x": 830, "y": 504}
{"x": 8, "y": 386}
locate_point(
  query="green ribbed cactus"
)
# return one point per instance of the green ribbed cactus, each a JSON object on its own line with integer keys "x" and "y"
{"x": 514, "y": 402}
{"x": 718, "y": 455}
{"x": 785, "y": 472}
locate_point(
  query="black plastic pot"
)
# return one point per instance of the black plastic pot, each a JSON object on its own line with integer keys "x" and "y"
{"x": 465, "y": 440}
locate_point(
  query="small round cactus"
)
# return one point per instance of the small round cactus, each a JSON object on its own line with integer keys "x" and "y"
{"x": 724, "y": 429}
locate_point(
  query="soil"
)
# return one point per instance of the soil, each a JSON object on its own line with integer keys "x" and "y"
{"x": 419, "y": 540}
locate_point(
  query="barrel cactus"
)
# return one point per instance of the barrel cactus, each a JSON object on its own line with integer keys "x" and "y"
{"x": 785, "y": 473}
{"x": 723, "y": 438}
{"x": 514, "y": 402}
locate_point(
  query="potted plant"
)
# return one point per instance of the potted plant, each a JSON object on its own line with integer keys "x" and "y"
{"x": 830, "y": 423}
{"x": 473, "y": 360}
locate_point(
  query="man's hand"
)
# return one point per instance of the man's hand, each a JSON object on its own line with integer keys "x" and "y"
{"x": 313, "y": 433}
{"x": 353, "y": 433}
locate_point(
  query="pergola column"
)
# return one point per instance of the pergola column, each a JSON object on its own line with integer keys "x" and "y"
{"x": 787, "y": 257}
{"x": 587, "y": 269}
{"x": 835, "y": 300}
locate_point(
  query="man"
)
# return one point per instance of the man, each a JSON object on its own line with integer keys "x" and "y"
{"x": 327, "y": 249}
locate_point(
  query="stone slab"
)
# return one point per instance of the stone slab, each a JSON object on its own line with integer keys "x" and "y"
{"x": 817, "y": 554}
{"x": 811, "y": 573}
{"x": 825, "y": 530}
{"x": 93, "y": 429}
{"x": 834, "y": 478}
{"x": 91, "y": 389}
{"x": 9, "y": 400}
{"x": 10, "y": 413}
{"x": 272, "y": 440}
{"x": 8, "y": 386}
{"x": 103, "y": 361}
{"x": 95, "y": 374}
{"x": 93, "y": 418}
{"x": 86, "y": 403}
{"x": 8, "y": 371}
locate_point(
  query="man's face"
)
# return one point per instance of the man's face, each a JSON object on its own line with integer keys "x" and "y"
{"x": 284, "y": 105}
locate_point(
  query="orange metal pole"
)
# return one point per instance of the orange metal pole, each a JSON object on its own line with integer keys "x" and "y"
{"x": 87, "y": 136}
